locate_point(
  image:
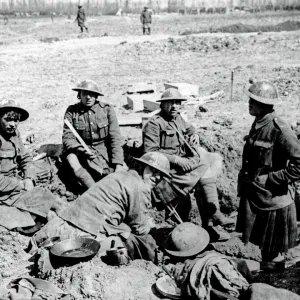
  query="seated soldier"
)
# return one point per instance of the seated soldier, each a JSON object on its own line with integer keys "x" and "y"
{"x": 21, "y": 203}
{"x": 192, "y": 167}
{"x": 97, "y": 125}
{"x": 117, "y": 206}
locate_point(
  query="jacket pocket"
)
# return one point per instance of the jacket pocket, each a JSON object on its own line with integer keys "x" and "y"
{"x": 168, "y": 138}
{"x": 103, "y": 129}
{"x": 264, "y": 150}
{"x": 79, "y": 126}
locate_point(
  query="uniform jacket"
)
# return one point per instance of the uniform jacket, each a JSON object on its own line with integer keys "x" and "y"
{"x": 120, "y": 197}
{"x": 81, "y": 18}
{"x": 98, "y": 126}
{"x": 15, "y": 164}
{"x": 146, "y": 16}
{"x": 271, "y": 149}
{"x": 159, "y": 135}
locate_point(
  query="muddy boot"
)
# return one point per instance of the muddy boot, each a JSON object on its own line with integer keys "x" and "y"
{"x": 84, "y": 178}
{"x": 210, "y": 194}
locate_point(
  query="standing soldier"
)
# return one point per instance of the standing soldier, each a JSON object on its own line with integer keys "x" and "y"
{"x": 97, "y": 124}
{"x": 146, "y": 20}
{"x": 6, "y": 19}
{"x": 271, "y": 163}
{"x": 81, "y": 18}
{"x": 191, "y": 167}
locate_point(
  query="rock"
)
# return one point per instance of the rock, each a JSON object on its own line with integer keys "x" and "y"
{"x": 285, "y": 93}
{"x": 262, "y": 291}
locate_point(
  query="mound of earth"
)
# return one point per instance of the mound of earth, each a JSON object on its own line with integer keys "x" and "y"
{"x": 96, "y": 280}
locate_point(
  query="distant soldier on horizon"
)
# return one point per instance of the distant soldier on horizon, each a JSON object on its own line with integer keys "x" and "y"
{"x": 81, "y": 18}
{"x": 6, "y": 19}
{"x": 146, "y": 20}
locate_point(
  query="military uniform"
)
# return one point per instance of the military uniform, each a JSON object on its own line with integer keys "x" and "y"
{"x": 271, "y": 149}
{"x": 146, "y": 20}
{"x": 159, "y": 135}
{"x": 15, "y": 202}
{"x": 81, "y": 18}
{"x": 98, "y": 126}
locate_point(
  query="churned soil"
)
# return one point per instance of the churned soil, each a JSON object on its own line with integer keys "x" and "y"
{"x": 40, "y": 62}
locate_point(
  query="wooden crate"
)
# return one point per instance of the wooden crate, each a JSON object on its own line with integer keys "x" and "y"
{"x": 135, "y": 102}
{"x": 141, "y": 87}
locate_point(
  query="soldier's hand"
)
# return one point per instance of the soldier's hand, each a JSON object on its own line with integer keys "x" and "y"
{"x": 194, "y": 140}
{"x": 183, "y": 163}
{"x": 28, "y": 184}
{"x": 119, "y": 168}
{"x": 89, "y": 155}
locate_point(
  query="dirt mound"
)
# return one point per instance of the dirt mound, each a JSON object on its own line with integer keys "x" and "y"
{"x": 13, "y": 259}
{"x": 241, "y": 28}
{"x": 96, "y": 280}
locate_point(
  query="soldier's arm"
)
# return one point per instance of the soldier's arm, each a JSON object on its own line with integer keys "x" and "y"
{"x": 151, "y": 140}
{"x": 115, "y": 138}
{"x": 25, "y": 161}
{"x": 68, "y": 138}
{"x": 290, "y": 147}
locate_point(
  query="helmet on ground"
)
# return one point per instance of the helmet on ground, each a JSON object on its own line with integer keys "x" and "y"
{"x": 186, "y": 239}
{"x": 88, "y": 85}
{"x": 171, "y": 94}
{"x": 6, "y": 105}
{"x": 157, "y": 161}
{"x": 264, "y": 92}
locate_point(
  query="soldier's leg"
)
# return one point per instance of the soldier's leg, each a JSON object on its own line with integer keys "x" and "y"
{"x": 82, "y": 175}
{"x": 209, "y": 188}
{"x": 144, "y": 30}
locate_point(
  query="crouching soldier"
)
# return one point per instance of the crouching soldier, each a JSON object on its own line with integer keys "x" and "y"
{"x": 22, "y": 205}
{"x": 115, "y": 207}
{"x": 192, "y": 168}
{"x": 97, "y": 124}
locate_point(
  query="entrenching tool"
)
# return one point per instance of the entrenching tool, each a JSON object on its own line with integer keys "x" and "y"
{"x": 93, "y": 164}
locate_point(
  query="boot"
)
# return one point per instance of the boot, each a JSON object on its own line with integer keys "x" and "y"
{"x": 84, "y": 178}
{"x": 211, "y": 198}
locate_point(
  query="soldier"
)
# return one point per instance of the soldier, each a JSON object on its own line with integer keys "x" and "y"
{"x": 146, "y": 20}
{"x": 97, "y": 124}
{"x": 81, "y": 18}
{"x": 191, "y": 168}
{"x": 115, "y": 206}
{"x": 21, "y": 203}
{"x": 271, "y": 163}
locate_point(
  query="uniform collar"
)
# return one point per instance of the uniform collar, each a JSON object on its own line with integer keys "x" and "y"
{"x": 84, "y": 108}
{"x": 264, "y": 121}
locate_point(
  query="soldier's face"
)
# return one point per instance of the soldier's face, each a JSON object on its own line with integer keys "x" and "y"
{"x": 170, "y": 107}
{"x": 88, "y": 98}
{"x": 257, "y": 109}
{"x": 9, "y": 123}
{"x": 151, "y": 176}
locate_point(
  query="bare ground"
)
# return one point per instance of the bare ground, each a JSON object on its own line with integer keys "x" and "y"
{"x": 40, "y": 62}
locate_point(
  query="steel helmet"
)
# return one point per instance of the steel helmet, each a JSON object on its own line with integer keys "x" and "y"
{"x": 171, "y": 94}
{"x": 13, "y": 105}
{"x": 186, "y": 239}
{"x": 157, "y": 161}
{"x": 88, "y": 85}
{"x": 264, "y": 92}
